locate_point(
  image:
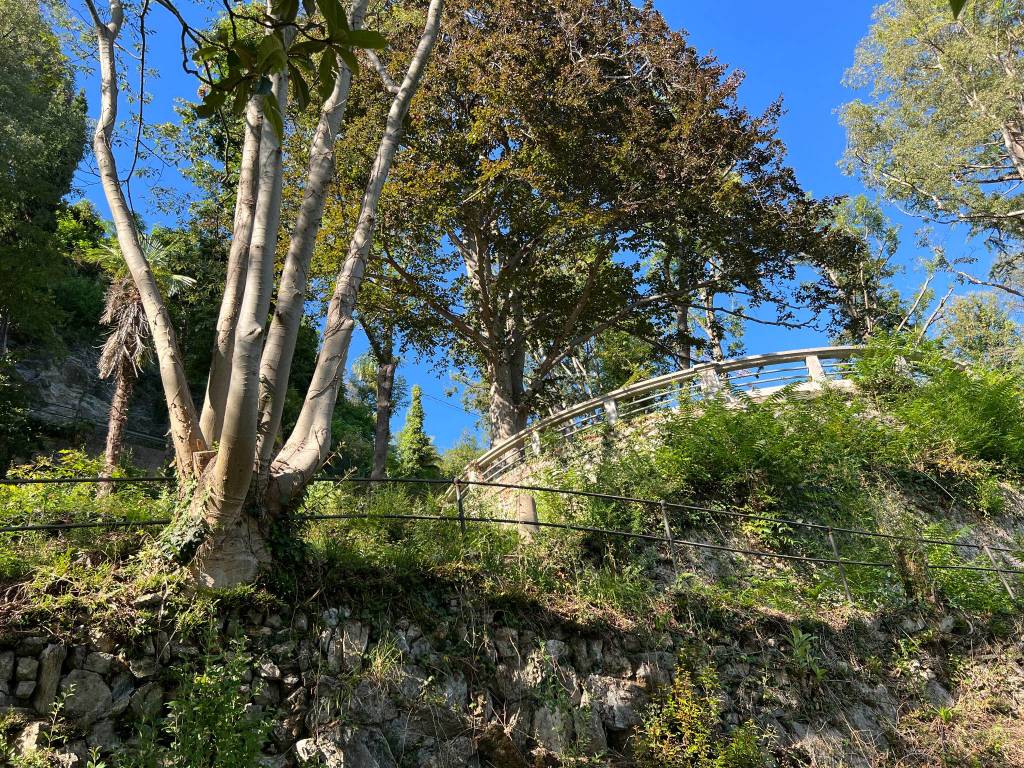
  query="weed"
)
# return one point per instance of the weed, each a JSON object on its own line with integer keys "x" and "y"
{"x": 208, "y": 724}
{"x": 803, "y": 658}
{"x": 682, "y": 729}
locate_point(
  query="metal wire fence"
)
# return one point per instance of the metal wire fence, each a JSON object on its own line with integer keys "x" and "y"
{"x": 1002, "y": 567}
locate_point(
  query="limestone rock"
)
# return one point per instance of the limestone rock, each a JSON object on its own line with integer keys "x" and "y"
{"x": 144, "y": 667}
{"x": 355, "y": 638}
{"x": 99, "y": 662}
{"x": 31, "y": 738}
{"x": 552, "y": 728}
{"x": 146, "y": 700}
{"x": 88, "y": 698}
{"x": 103, "y": 736}
{"x": 616, "y": 700}
{"x": 7, "y": 661}
{"x": 50, "y": 662}
{"x": 26, "y": 668}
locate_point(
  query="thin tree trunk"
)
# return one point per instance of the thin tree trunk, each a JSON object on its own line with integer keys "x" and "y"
{"x": 185, "y": 432}
{"x": 684, "y": 349}
{"x": 212, "y": 419}
{"x": 1013, "y": 140}
{"x": 124, "y": 383}
{"x": 382, "y": 424}
{"x": 307, "y": 447}
{"x": 284, "y": 329}
{"x": 712, "y": 328}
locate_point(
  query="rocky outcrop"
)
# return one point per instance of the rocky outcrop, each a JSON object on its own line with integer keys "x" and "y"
{"x": 73, "y": 402}
{"x": 476, "y": 687}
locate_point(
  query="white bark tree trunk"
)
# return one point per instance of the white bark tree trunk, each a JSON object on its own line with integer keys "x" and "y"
{"x": 212, "y": 419}
{"x": 307, "y": 447}
{"x": 185, "y": 432}
{"x": 291, "y": 294}
{"x": 235, "y": 550}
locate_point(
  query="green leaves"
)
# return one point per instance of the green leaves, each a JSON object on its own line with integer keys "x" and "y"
{"x": 326, "y": 72}
{"x": 334, "y": 16}
{"x": 272, "y": 56}
{"x": 367, "y": 38}
{"x": 241, "y": 67}
{"x": 285, "y": 10}
{"x": 956, "y": 6}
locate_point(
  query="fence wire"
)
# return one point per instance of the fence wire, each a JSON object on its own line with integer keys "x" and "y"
{"x": 462, "y": 519}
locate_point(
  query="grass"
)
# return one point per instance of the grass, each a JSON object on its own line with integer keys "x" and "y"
{"x": 886, "y": 461}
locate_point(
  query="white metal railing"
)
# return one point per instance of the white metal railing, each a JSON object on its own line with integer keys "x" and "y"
{"x": 756, "y": 377}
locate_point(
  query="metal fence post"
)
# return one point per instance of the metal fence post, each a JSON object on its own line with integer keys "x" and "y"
{"x": 461, "y": 507}
{"x": 668, "y": 535}
{"x": 999, "y": 572}
{"x": 611, "y": 410}
{"x": 839, "y": 563}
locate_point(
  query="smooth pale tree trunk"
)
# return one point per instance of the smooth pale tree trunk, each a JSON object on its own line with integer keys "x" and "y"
{"x": 185, "y": 432}
{"x": 227, "y": 504}
{"x": 291, "y": 295}
{"x": 382, "y": 422}
{"x": 236, "y": 549}
{"x": 307, "y": 448}
{"x": 124, "y": 383}
{"x": 212, "y": 419}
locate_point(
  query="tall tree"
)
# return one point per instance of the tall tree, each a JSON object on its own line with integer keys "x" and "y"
{"x": 243, "y": 483}
{"x": 943, "y": 130}
{"x": 417, "y": 456}
{"x": 980, "y": 328}
{"x": 42, "y": 138}
{"x": 540, "y": 150}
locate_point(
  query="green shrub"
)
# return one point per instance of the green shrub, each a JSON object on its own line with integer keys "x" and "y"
{"x": 22, "y": 553}
{"x": 682, "y": 729}
{"x": 208, "y": 724}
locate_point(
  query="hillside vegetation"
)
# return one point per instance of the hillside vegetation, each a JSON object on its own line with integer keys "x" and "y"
{"x": 926, "y": 449}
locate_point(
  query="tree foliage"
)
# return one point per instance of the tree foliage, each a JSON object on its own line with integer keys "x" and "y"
{"x": 42, "y": 138}
{"x": 549, "y": 149}
{"x": 855, "y": 267}
{"x": 417, "y": 456}
{"x": 943, "y": 129}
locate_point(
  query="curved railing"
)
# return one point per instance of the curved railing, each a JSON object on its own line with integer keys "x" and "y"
{"x": 756, "y": 377}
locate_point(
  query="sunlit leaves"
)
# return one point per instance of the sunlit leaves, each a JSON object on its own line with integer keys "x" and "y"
{"x": 367, "y": 38}
{"x": 328, "y": 68}
{"x": 238, "y": 61}
{"x": 334, "y": 17}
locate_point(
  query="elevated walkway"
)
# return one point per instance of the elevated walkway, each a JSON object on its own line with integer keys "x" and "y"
{"x": 799, "y": 372}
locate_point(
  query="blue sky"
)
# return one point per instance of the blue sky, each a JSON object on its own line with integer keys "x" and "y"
{"x": 797, "y": 49}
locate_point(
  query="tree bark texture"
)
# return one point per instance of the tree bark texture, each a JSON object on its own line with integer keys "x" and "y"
{"x": 185, "y": 432}
{"x": 212, "y": 419}
{"x": 124, "y": 383}
{"x": 307, "y": 447}
{"x": 382, "y": 423}
{"x": 291, "y": 294}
